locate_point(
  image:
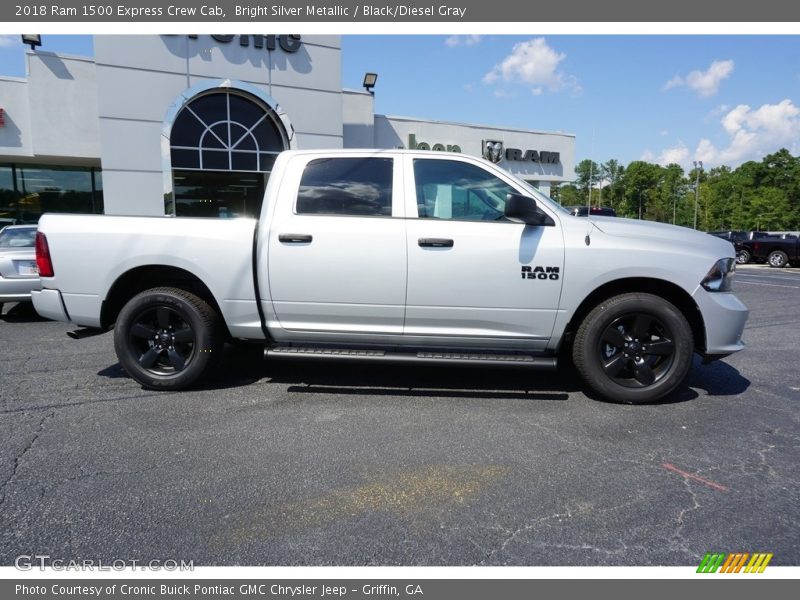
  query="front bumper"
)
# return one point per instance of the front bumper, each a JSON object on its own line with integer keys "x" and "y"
{"x": 724, "y": 317}
{"x": 49, "y": 304}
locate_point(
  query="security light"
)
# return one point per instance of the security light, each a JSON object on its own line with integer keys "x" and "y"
{"x": 369, "y": 81}
{"x": 32, "y": 40}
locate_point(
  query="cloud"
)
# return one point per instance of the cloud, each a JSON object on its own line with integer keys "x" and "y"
{"x": 533, "y": 63}
{"x": 678, "y": 155}
{"x": 462, "y": 40}
{"x": 754, "y": 133}
{"x": 704, "y": 83}
{"x": 7, "y": 41}
{"x": 664, "y": 132}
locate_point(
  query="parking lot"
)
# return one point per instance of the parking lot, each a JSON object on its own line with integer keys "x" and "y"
{"x": 359, "y": 464}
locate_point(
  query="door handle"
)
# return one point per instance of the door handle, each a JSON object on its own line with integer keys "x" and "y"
{"x": 295, "y": 238}
{"x": 435, "y": 242}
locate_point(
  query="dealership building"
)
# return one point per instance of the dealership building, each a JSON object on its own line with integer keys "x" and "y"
{"x": 190, "y": 125}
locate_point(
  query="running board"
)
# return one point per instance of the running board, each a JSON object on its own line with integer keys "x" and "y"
{"x": 425, "y": 357}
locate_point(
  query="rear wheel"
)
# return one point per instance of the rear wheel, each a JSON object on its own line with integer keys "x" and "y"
{"x": 167, "y": 338}
{"x": 743, "y": 257}
{"x": 778, "y": 259}
{"x": 634, "y": 348}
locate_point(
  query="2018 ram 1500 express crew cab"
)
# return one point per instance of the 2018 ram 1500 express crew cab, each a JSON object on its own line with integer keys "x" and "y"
{"x": 398, "y": 256}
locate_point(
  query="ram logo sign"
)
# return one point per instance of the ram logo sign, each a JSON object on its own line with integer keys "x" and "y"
{"x": 734, "y": 562}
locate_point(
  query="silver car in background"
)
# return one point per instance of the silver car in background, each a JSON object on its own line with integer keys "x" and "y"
{"x": 18, "y": 272}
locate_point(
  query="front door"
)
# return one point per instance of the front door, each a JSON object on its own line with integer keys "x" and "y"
{"x": 475, "y": 278}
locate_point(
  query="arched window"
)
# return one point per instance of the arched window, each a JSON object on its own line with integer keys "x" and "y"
{"x": 223, "y": 144}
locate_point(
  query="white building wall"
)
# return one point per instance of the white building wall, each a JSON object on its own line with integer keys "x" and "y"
{"x": 52, "y": 114}
{"x": 396, "y": 132}
{"x": 139, "y": 77}
{"x": 358, "y": 110}
{"x": 15, "y": 137}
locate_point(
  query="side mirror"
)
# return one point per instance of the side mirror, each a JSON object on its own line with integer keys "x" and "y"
{"x": 522, "y": 209}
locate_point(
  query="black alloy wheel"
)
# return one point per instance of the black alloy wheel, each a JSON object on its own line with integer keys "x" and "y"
{"x": 167, "y": 338}
{"x": 636, "y": 350}
{"x": 164, "y": 341}
{"x": 633, "y": 348}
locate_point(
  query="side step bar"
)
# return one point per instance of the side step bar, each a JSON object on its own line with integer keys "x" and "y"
{"x": 424, "y": 357}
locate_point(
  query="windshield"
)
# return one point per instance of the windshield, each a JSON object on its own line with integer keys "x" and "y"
{"x": 18, "y": 238}
{"x": 538, "y": 195}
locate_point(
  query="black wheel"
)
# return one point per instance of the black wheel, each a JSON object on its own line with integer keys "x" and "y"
{"x": 167, "y": 338}
{"x": 743, "y": 257}
{"x": 633, "y": 348}
{"x": 778, "y": 259}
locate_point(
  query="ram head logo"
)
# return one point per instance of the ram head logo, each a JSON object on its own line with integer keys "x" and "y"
{"x": 493, "y": 150}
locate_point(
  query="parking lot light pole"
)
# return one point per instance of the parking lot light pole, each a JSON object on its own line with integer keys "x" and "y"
{"x": 698, "y": 166}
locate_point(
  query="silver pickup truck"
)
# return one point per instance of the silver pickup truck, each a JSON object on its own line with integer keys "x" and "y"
{"x": 405, "y": 256}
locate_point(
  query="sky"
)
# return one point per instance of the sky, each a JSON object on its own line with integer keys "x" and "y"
{"x": 722, "y": 99}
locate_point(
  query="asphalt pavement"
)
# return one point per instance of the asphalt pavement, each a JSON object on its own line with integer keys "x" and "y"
{"x": 333, "y": 464}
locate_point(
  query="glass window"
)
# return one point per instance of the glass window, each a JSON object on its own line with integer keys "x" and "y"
{"x": 24, "y": 237}
{"x": 8, "y": 197}
{"x": 225, "y": 131}
{"x": 346, "y": 186}
{"x": 223, "y": 146}
{"x": 449, "y": 189}
{"x": 222, "y": 195}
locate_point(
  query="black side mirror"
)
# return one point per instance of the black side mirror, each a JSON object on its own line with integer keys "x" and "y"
{"x": 522, "y": 209}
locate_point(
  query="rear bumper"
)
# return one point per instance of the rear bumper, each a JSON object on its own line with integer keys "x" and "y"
{"x": 724, "y": 316}
{"x": 17, "y": 289}
{"x": 49, "y": 304}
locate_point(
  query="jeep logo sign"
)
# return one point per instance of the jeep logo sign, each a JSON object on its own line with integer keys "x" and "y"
{"x": 544, "y": 157}
{"x": 413, "y": 144}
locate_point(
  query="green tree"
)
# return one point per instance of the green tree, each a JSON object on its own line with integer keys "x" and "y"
{"x": 640, "y": 180}
{"x": 587, "y": 173}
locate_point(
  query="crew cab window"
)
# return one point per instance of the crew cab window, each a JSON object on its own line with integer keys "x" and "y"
{"x": 346, "y": 186}
{"x": 450, "y": 189}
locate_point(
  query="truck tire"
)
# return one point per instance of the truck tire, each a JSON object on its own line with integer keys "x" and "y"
{"x": 778, "y": 259}
{"x": 634, "y": 348}
{"x": 167, "y": 338}
{"x": 743, "y": 257}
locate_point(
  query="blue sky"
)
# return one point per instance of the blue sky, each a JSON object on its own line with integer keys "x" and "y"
{"x": 720, "y": 98}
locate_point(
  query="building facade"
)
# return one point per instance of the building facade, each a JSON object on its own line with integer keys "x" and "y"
{"x": 190, "y": 125}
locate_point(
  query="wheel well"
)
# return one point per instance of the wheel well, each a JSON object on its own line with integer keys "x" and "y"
{"x": 142, "y": 278}
{"x": 658, "y": 287}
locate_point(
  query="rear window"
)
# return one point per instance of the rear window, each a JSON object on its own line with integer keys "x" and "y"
{"x": 17, "y": 238}
{"x": 346, "y": 186}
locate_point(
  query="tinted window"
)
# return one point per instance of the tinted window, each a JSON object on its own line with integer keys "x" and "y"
{"x": 449, "y": 189}
{"x": 18, "y": 238}
{"x": 346, "y": 186}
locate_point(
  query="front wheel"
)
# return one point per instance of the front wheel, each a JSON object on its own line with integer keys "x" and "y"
{"x": 778, "y": 259}
{"x": 167, "y": 338}
{"x": 633, "y": 348}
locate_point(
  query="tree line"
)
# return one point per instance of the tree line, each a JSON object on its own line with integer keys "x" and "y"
{"x": 763, "y": 196}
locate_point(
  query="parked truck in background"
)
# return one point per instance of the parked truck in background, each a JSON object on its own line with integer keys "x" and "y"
{"x": 403, "y": 256}
{"x": 777, "y": 251}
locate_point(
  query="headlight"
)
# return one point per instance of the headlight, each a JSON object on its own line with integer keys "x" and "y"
{"x": 720, "y": 277}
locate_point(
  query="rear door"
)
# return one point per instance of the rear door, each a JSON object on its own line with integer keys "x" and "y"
{"x": 337, "y": 255}
{"x": 475, "y": 278}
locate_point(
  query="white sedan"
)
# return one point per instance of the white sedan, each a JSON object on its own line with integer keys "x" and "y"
{"x": 18, "y": 272}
